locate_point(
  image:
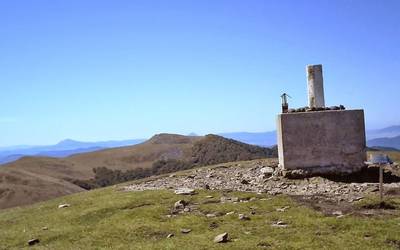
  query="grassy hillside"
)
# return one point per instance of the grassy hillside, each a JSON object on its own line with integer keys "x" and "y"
{"x": 30, "y": 179}
{"x": 113, "y": 219}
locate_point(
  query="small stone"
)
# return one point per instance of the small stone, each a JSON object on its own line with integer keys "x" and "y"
{"x": 209, "y": 196}
{"x": 267, "y": 170}
{"x": 253, "y": 199}
{"x": 357, "y": 198}
{"x": 171, "y": 175}
{"x": 337, "y": 213}
{"x": 186, "y": 209}
{"x": 64, "y": 205}
{"x": 32, "y": 242}
{"x": 186, "y": 230}
{"x": 229, "y": 213}
{"x": 180, "y": 204}
{"x": 279, "y": 224}
{"x": 213, "y": 225}
{"x": 210, "y": 215}
{"x": 243, "y": 217}
{"x": 264, "y": 245}
{"x": 283, "y": 209}
{"x": 221, "y": 238}
{"x": 185, "y": 191}
{"x": 45, "y": 228}
{"x": 170, "y": 235}
{"x": 234, "y": 199}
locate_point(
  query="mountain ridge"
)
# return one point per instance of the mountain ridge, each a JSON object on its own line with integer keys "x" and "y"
{"x": 34, "y": 172}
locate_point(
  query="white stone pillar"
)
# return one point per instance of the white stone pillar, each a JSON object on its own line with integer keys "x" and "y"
{"x": 315, "y": 86}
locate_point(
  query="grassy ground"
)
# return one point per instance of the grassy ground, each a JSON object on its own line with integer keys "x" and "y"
{"x": 112, "y": 219}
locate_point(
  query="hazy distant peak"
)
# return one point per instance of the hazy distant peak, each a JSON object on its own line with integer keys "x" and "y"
{"x": 67, "y": 142}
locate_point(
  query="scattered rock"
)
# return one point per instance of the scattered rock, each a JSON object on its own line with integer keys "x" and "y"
{"x": 225, "y": 199}
{"x": 243, "y": 217}
{"x": 229, "y": 176}
{"x": 64, "y": 205}
{"x": 356, "y": 198}
{"x": 279, "y": 224}
{"x": 170, "y": 235}
{"x": 32, "y": 242}
{"x": 186, "y": 230}
{"x": 213, "y": 225}
{"x": 234, "y": 199}
{"x": 172, "y": 175}
{"x": 263, "y": 245}
{"x": 229, "y": 213}
{"x": 209, "y": 196}
{"x": 45, "y": 228}
{"x": 245, "y": 182}
{"x": 181, "y": 204}
{"x": 283, "y": 209}
{"x": 210, "y": 215}
{"x": 337, "y": 213}
{"x": 221, "y": 238}
{"x": 186, "y": 209}
{"x": 267, "y": 170}
{"x": 185, "y": 191}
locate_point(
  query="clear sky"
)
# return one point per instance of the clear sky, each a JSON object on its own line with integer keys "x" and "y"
{"x": 97, "y": 70}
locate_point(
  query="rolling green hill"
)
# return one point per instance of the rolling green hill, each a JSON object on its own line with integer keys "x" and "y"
{"x": 33, "y": 179}
{"x": 110, "y": 218}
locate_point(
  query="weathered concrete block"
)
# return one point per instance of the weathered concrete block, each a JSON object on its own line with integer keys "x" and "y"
{"x": 322, "y": 142}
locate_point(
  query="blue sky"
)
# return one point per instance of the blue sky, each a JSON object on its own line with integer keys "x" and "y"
{"x": 98, "y": 70}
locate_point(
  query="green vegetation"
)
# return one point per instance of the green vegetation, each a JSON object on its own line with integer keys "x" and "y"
{"x": 115, "y": 219}
{"x": 212, "y": 149}
{"x": 215, "y": 149}
{"x": 105, "y": 177}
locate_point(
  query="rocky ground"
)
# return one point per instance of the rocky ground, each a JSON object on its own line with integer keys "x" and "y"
{"x": 260, "y": 176}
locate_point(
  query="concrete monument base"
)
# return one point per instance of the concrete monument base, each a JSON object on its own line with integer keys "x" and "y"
{"x": 321, "y": 142}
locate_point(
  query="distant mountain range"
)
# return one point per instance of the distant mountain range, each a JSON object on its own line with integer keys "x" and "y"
{"x": 31, "y": 179}
{"x": 388, "y": 142}
{"x": 62, "y": 149}
{"x": 387, "y": 132}
{"x": 387, "y": 137}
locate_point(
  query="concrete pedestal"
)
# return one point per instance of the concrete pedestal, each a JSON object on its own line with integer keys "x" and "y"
{"x": 321, "y": 142}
